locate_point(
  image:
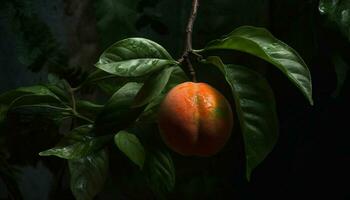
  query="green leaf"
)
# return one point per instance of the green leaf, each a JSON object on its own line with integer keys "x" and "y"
{"x": 153, "y": 87}
{"x": 261, "y": 43}
{"x": 130, "y": 145}
{"x": 255, "y": 107}
{"x": 149, "y": 114}
{"x": 134, "y": 57}
{"x": 338, "y": 12}
{"x": 45, "y": 111}
{"x": 98, "y": 75}
{"x": 177, "y": 76}
{"x": 78, "y": 144}
{"x": 88, "y": 106}
{"x": 59, "y": 92}
{"x": 88, "y": 175}
{"x": 109, "y": 83}
{"x": 39, "y": 90}
{"x": 117, "y": 113}
{"x": 160, "y": 172}
{"x": 35, "y": 98}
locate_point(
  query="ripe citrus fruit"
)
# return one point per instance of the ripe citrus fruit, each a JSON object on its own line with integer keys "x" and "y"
{"x": 195, "y": 119}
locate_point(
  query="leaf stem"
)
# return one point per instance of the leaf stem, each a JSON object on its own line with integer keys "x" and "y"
{"x": 83, "y": 117}
{"x": 72, "y": 96}
{"x": 74, "y": 107}
{"x": 188, "y": 42}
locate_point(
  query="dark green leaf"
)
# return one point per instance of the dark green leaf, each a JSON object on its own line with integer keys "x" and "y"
{"x": 338, "y": 12}
{"x": 109, "y": 83}
{"x": 153, "y": 87}
{"x": 78, "y": 144}
{"x": 98, "y": 75}
{"x": 58, "y": 86}
{"x": 149, "y": 115}
{"x": 88, "y": 106}
{"x": 117, "y": 113}
{"x": 261, "y": 43}
{"x": 134, "y": 57}
{"x": 39, "y": 90}
{"x": 111, "y": 86}
{"x": 160, "y": 172}
{"x": 177, "y": 76}
{"x": 34, "y": 97}
{"x": 38, "y": 100}
{"x": 255, "y": 107}
{"x": 130, "y": 145}
{"x": 88, "y": 175}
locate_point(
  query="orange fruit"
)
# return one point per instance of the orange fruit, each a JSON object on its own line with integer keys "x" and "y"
{"x": 195, "y": 119}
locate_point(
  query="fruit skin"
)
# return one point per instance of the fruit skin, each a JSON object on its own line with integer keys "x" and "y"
{"x": 195, "y": 119}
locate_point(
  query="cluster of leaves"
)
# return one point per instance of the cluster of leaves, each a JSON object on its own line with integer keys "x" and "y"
{"x": 139, "y": 73}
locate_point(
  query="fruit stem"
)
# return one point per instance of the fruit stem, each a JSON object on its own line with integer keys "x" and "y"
{"x": 188, "y": 43}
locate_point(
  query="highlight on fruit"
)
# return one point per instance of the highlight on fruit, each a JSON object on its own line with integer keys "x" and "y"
{"x": 195, "y": 119}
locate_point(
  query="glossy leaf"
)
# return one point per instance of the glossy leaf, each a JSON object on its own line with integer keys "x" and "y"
{"x": 88, "y": 175}
{"x": 149, "y": 114}
{"x": 338, "y": 11}
{"x": 78, "y": 144}
{"x": 130, "y": 145}
{"x": 160, "y": 172}
{"x": 134, "y": 57}
{"x": 117, "y": 113}
{"x": 261, "y": 43}
{"x": 255, "y": 107}
{"x": 153, "y": 87}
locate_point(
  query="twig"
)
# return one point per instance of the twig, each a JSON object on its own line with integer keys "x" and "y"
{"x": 188, "y": 43}
{"x": 189, "y": 28}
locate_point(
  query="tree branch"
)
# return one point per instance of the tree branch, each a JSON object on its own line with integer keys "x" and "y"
{"x": 189, "y": 28}
{"x": 188, "y": 43}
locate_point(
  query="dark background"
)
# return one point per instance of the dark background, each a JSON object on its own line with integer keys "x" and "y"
{"x": 312, "y": 156}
